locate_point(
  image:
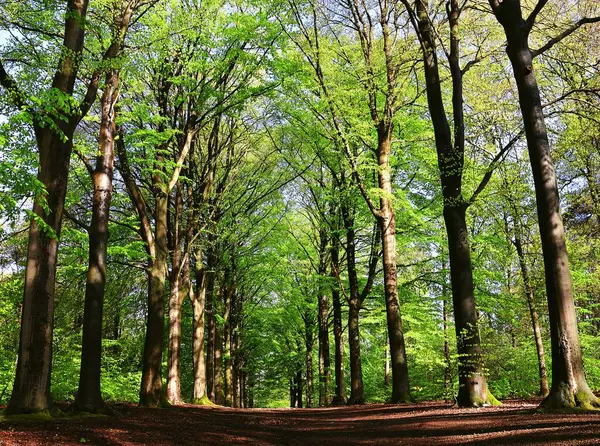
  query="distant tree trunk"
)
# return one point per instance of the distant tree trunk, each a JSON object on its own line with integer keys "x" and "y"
{"x": 173, "y": 393}
{"x": 357, "y": 395}
{"x": 228, "y": 381}
{"x": 537, "y": 332}
{"x": 338, "y": 333}
{"x": 324, "y": 359}
{"x": 31, "y": 388}
{"x": 210, "y": 318}
{"x": 293, "y": 392}
{"x": 569, "y": 385}
{"x": 309, "y": 373}
{"x": 89, "y": 397}
{"x": 234, "y": 366}
{"x": 219, "y": 394}
{"x": 387, "y": 223}
{"x": 473, "y": 390}
{"x": 447, "y": 370}
{"x": 299, "y": 388}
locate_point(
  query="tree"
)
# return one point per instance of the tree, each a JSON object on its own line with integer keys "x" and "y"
{"x": 569, "y": 386}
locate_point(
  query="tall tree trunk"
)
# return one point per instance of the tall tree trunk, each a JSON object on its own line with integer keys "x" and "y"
{"x": 338, "y": 333}
{"x": 227, "y": 363}
{"x": 210, "y": 321}
{"x": 569, "y": 385}
{"x": 357, "y": 395}
{"x": 293, "y": 392}
{"x": 198, "y": 301}
{"x": 537, "y": 332}
{"x": 173, "y": 392}
{"x": 473, "y": 390}
{"x": 299, "y": 388}
{"x": 324, "y": 359}
{"x": 219, "y": 395}
{"x": 89, "y": 397}
{"x": 387, "y": 222}
{"x": 309, "y": 373}
{"x": 31, "y": 388}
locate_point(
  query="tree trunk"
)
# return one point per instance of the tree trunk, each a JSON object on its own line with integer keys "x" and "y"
{"x": 537, "y": 332}
{"x": 386, "y": 366}
{"x": 309, "y": 374}
{"x": 472, "y": 384}
{"x": 211, "y": 326}
{"x": 293, "y": 392}
{"x": 324, "y": 359}
{"x": 31, "y": 388}
{"x": 447, "y": 370}
{"x": 472, "y": 390}
{"x": 338, "y": 333}
{"x": 299, "y": 388}
{"x": 357, "y": 395}
{"x": 198, "y": 302}
{"x": 387, "y": 222}
{"x": 228, "y": 381}
{"x": 219, "y": 395}
{"x": 173, "y": 393}
{"x": 89, "y": 397}
{"x": 569, "y": 386}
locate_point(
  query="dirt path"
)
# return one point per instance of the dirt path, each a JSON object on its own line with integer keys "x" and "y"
{"x": 515, "y": 422}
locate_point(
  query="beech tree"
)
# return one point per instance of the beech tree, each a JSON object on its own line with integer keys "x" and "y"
{"x": 569, "y": 386}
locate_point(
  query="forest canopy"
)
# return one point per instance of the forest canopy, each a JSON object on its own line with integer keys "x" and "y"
{"x": 264, "y": 203}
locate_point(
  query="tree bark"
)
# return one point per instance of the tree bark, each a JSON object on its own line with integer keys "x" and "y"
{"x": 218, "y": 384}
{"x": 173, "y": 392}
{"x": 473, "y": 390}
{"x": 89, "y": 397}
{"x": 537, "y": 332}
{"x": 569, "y": 385}
{"x": 338, "y": 332}
{"x": 31, "y": 388}
{"x": 357, "y": 395}
{"x": 387, "y": 224}
{"x": 211, "y": 326}
{"x": 324, "y": 359}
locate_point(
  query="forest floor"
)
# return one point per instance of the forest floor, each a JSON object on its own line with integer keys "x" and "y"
{"x": 515, "y": 422}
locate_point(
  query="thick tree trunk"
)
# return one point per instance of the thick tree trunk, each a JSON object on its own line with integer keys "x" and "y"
{"x": 472, "y": 390}
{"x": 537, "y": 332}
{"x": 173, "y": 392}
{"x": 198, "y": 302}
{"x": 357, "y": 395}
{"x": 338, "y": 332}
{"x": 31, "y": 388}
{"x": 387, "y": 224}
{"x": 569, "y": 386}
{"x": 89, "y": 397}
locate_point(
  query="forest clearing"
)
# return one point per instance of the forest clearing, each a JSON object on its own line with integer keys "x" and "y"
{"x": 299, "y": 221}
